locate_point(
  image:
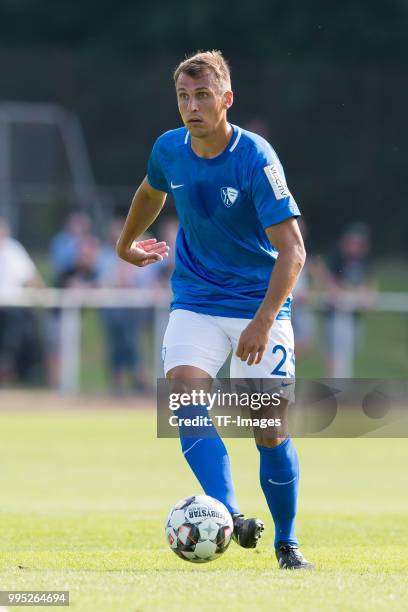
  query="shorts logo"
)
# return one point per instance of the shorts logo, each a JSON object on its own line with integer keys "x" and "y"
{"x": 229, "y": 195}
{"x": 164, "y": 351}
{"x": 277, "y": 182}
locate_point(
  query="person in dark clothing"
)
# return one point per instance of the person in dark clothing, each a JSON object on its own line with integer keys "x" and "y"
{"x": 348, "y": 272}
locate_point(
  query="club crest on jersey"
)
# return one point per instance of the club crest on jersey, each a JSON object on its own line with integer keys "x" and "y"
{"x": 229, "y": 195}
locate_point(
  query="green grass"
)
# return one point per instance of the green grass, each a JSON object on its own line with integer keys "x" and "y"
{"x": 84, "y": 496}
{"x": 391, "y": 275}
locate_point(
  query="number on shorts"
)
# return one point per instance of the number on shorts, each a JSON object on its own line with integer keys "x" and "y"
{"x": 277, "y": 370}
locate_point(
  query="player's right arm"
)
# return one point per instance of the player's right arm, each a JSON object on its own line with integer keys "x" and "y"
{"x": 146, "y": 205}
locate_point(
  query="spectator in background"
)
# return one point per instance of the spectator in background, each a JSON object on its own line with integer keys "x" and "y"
{"x": 350, "y": 265}
{"x": 82, "y": 273}
{"x": 64, "y": 246}
{"x": 124, "y": 327}
{"x": 348, "y": 271}
{"x": 20, "y": 341}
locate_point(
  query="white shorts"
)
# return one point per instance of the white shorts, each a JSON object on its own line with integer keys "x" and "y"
{"x": 205, "y": 341}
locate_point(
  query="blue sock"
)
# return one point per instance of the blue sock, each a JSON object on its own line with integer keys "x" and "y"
{"x": 279, "y": 475}
{"x": 207, "y": 456}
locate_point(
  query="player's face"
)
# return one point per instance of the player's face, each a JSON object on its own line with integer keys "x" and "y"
{"x": 202, "y": 105}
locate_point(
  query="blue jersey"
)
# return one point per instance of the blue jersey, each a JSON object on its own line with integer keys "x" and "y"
{"x": 223, "y": 256}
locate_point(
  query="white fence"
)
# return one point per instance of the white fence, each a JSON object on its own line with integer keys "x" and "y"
{"x": 71, "y": 301}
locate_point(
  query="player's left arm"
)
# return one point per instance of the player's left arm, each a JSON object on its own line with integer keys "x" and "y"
{"x": 287, "y": 239}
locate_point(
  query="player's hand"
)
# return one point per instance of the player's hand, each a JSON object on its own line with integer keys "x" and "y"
{"x": 253, "y": 342}
{"x": 144, "y": 252}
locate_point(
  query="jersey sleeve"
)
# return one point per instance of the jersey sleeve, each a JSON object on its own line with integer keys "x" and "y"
{"x": 155, "y": 174}
{"x": 270, "y": 194}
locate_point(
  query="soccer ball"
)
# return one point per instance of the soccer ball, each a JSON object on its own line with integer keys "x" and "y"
{"x": 199, "y": 529}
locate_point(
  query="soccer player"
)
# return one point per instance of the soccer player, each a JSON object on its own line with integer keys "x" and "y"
{"x": 238, "y": 255}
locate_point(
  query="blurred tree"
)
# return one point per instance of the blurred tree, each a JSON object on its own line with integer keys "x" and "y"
{"x": 346, "y": 31}
{"x": 328, "y": 78}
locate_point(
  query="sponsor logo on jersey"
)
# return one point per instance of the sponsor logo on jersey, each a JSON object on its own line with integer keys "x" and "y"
{"x": 229, "y": 195}
{"x": 277, "y": 182}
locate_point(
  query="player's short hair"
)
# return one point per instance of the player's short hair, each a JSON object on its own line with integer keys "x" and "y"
{"x": 203, "y": 61}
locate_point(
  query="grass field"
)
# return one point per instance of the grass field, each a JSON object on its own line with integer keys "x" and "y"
{"x": 84, "y": 495}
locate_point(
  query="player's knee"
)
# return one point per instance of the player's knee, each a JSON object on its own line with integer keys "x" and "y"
{"x": 185, "y": 379}
{"x": 180, "y": 386}
{"x": 268, "y": 442}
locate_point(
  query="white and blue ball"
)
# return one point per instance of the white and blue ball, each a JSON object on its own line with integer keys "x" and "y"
{"x": 199, "y": 529}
